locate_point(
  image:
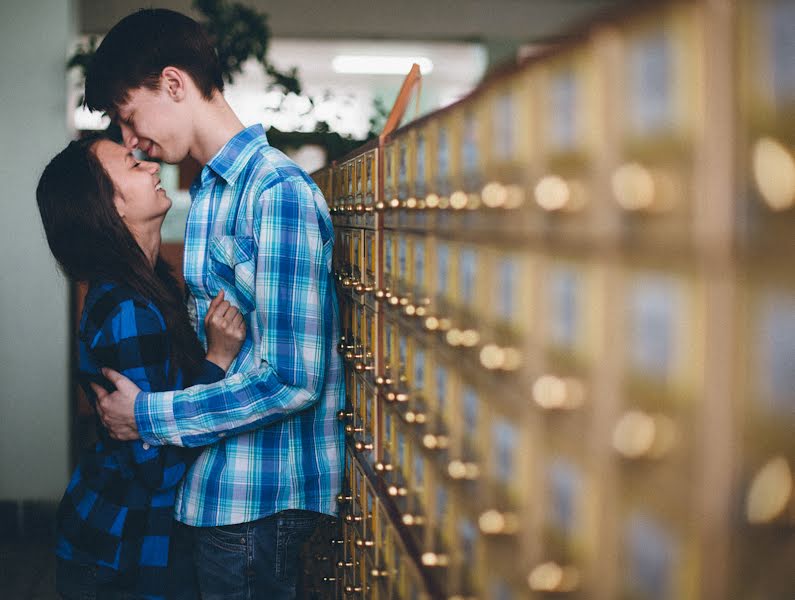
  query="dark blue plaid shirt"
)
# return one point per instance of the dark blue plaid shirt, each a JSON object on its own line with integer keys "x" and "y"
{"x": 117, "y": 512}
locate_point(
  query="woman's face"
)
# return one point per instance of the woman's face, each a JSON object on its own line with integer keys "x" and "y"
{"x": 138, "y": 197}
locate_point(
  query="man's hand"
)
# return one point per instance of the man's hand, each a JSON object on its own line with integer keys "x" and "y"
{"x": 117, "y": 410}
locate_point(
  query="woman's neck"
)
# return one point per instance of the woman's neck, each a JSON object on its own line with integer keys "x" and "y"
{"x": 149, "y": 242}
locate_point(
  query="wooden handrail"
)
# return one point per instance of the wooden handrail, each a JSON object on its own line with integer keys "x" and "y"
{"x": 414, "y": 78}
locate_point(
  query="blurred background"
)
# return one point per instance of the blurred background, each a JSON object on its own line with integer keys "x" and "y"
{"x": 350, "y": 57}
{"x": 658, "y": 196}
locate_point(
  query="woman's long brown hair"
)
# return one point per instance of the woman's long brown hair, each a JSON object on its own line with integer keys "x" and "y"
{"x": 91, "y": 243}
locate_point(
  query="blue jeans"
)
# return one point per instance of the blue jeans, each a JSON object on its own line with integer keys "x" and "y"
{"x": 253, "y": 561}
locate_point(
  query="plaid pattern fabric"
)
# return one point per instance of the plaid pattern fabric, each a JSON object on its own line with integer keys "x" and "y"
{"x": 259, "y": 229}
{"x": 117, "y": 512}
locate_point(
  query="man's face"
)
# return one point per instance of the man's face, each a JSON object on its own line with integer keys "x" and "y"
{"x": 153, "y": 122}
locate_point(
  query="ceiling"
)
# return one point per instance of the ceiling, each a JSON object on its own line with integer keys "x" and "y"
{"x": 487, "y": 21}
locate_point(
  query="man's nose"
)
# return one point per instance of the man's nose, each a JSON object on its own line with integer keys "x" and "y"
{"x": 128, "y": 137}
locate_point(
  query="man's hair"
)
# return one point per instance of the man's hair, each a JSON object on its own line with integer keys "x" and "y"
{"x": 139, "y": 47}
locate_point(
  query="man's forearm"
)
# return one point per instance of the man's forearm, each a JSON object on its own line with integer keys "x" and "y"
{"x": 202, "y": 415}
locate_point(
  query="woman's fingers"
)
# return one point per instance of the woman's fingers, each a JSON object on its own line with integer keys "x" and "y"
{"x": 221, "y": 312}
{"x": 239, "y": 327}
{"x": 215, "y": 302}
{"x": 218, "y": 299}
{"x": 213, "y": 305}
{"x": 225, "y": 317}
{"x": 217, "y": 317}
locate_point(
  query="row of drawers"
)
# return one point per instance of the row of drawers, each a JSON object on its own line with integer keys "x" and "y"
{"x": 560, "y": 378}
{"x": 540, "y": 474}
{"x": 630, "y": 134}
{"x": 377, "y": 559}
{"x": 535, "y": 323}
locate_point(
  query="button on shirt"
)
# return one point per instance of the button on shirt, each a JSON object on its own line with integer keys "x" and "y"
{"x": 259, "y": 229}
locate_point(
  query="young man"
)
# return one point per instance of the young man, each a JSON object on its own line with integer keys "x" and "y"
{"x": 259, "y": 229}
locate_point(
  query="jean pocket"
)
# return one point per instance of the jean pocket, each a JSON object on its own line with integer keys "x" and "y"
{"x": 293, "y": 529}
{"x": 231, "y": 538}
{"x": 233, "y": 262}
{"x": 221, "y": 557}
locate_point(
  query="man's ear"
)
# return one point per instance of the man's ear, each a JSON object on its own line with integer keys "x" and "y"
{"x": 174, "y": 81}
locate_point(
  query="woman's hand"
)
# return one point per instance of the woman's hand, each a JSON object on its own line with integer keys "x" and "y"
{"x": 226, "y": 331}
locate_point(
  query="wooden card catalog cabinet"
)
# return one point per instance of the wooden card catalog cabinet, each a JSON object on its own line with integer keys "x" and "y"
{"x": 767, "y": 95}
{"x": 371, "y": 190}
{"x": 568, "y": 528}
{"x": 658, "y": 558}
{"x": 569, "y": 111}
{"x": 439, "y": 185}
{"x": 766, "y": 491}
{"x": 390, "y": 198}
{"x": 470, "y": 165}
{"x": 573, "y": 311}
{"x": 507, "y": 144}
{"x": 662, "y": 125}
{"x": 468, "y": 295}
{"x": 511, "y": 309}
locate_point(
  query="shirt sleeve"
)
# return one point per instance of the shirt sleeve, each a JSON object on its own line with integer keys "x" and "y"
{"x": 133, "y": 341}
{"x": 291, "y": 281}
{"x": 210, "y": 373}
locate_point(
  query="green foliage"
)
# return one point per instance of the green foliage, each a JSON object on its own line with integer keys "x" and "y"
{"x": 336, "y": 146}
{"x": 240, "y": 33}
{"x": 237, "y": 32}
{"x": 82, "y": 56}
{"x": 287, "y": 81}
{"x": 81, "y": 59}
{"x": 378, "y": 120}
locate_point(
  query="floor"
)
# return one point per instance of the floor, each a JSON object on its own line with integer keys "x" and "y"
{"x": 27, "y": 571}
{"x": 27, "y": 561}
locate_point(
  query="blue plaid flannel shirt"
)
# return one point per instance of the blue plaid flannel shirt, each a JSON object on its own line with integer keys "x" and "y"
{"x": 117, "y": 512}
{"x": 259, "y": 228}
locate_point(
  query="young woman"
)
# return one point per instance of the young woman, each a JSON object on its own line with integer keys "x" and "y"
{"x": 102, "y": 211}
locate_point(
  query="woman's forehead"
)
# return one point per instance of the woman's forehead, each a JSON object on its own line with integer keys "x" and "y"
{"x": 108, "y": 150}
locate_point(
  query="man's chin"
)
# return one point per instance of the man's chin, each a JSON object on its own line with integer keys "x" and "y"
{"x": 170, "y": 158}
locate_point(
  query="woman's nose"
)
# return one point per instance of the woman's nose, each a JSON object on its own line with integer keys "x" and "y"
{"x": 152, "y": 167}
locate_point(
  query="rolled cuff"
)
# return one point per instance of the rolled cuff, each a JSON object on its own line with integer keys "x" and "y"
{"x": 154, "y": 417}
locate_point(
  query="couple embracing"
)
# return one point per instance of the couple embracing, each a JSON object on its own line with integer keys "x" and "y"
{"x": 218, "y": 449}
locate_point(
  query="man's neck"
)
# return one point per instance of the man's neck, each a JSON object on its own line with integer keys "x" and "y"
{"x": 216, "y": 124}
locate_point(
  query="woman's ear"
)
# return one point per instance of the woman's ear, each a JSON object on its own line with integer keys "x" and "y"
{"x": 120, "y": 204}
{"x": 174, "y": 82}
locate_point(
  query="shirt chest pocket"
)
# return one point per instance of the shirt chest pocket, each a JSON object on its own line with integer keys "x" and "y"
{"x": 233, "y": 265}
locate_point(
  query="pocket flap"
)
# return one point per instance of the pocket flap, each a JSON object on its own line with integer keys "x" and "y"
{"x": 232, "y": 250}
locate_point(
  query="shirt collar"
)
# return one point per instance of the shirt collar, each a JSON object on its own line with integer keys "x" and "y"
{"x": 229, "y": 161}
